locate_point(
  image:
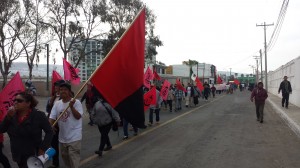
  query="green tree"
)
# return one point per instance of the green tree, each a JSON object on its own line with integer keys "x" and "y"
{"x": 74, "y": 22}
{"x": 120, "y": 15}
{"x": 11, "y": 24}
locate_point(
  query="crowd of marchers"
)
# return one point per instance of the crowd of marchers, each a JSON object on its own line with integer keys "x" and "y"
{"x": 62, "y": 126}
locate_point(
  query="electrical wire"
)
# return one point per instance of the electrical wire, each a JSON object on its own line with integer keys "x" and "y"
{"x": 278, "y": 25}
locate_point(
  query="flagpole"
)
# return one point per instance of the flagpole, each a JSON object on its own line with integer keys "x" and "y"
{"x": 86, "y": 82}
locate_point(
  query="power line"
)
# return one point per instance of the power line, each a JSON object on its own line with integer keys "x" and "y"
{"x": 278, "y": 25}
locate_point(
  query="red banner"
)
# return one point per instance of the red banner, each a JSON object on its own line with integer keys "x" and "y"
{"x": 70, "y": 73}
{"x": 199, "y": 84}
{"x": 165, "y": 90}
{"x": 179, "y": 85}
{"x": 55, "y": 77}
{"x": 156, "y": 76}
{"x": 8, "y": 94}
{"x": 150, "y": 98}
{"x": 148, "y": 76}
{"x": 219, "y": 80}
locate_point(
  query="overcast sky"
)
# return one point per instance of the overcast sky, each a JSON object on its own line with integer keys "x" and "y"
{"x": 224, "y": 32}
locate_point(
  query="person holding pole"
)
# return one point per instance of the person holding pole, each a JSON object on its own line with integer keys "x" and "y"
{"x": 70, "y": 125}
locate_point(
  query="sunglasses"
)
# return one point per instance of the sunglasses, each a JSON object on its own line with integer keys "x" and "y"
{"x": 19, "y": 100}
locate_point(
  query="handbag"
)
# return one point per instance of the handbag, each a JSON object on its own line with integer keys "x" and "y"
{"x": 114, "y": 122}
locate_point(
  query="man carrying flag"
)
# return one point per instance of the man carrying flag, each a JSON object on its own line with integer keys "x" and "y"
{"x": 125, "y": 63}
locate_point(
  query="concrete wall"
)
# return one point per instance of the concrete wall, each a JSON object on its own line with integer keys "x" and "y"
{"x": 292, "y": 71}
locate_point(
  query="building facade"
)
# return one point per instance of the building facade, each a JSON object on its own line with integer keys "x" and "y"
{"x": 92, "y": 59}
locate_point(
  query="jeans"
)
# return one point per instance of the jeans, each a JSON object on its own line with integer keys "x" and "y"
{"x": 151, "y": 115}
{"x": 125, "y": 127}
{"x": 285, "y": 99}
{"x": 259, "y": 111}
{"x": 178, "y": 103}
{"x": 170, "y": 104}
{"x": 104, "y": 140}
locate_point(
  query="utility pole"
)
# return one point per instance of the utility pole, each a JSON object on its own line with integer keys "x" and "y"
{"x": 47, "y": 83}
{"x": 266, "y": 68}
{"x": 256, "y": 58}
{"x": 261, "y": 71}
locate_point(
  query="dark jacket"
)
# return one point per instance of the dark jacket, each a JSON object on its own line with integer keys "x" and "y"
{"x": 26, "y": 138}
{"x": 283, "y": 89}
{"x": 259, "y": 95}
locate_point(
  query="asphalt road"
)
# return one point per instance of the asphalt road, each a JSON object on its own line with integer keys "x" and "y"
{"x": 220, "y": 133}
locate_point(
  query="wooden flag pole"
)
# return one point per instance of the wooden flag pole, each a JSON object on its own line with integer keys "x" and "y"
{"x": 86, "y": 82}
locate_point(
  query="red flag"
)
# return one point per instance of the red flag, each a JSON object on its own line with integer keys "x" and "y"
{"x": 165, "y": 89}
{"x": 237, "y": 82}
{"x": 55, "y": 77}
{"x": 156, "y": 76}
{"x": 179, "y": 85}
{"x": 150, "y": 98}
{"x": 148, "y": 76}
{"x": 8, "y": 94}
{"x": 120, "y": 78}
{"x": 219, "y": 80}
{"x": 199, "y": 84}
{"x": 70, "y": 73}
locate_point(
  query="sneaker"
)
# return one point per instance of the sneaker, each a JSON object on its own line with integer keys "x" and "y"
{"x": 125, "y": 137}
{"x": 261, "y": 121}
{"x": 99, "y": 153}
{"x": 108, "y": 148}
{"x": 149, "y": 124}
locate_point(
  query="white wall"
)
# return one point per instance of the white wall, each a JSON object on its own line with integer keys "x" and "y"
{"x": 292, "y": 71}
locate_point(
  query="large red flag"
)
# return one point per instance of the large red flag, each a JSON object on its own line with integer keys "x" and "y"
{"x": 150, "y": 98}
{"x": 55, "y": 77}
{"x": 179, "y": 85}
{"x": 199, "y": 84}
{"x": 120, "y": 78}
{"x": 148, "y": 76}
{"x": 9, "y": 92}
{"x": 156, "y": 76}
{"x": 70, "y": 73}
{"x": 165, "y": 89}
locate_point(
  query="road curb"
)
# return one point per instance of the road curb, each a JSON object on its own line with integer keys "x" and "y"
{"x": 289, "y": 121}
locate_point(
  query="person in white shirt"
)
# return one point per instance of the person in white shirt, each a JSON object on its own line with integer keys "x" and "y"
{"x": 70, "y": 126}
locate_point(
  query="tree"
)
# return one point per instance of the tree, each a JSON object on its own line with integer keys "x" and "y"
{"x": 119, "y": 16}
{"x": 32, "y": 35}
{"x": 190, "y": 63}
{"x": 11, "y": 24}
{"x": 74, "y": 23}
